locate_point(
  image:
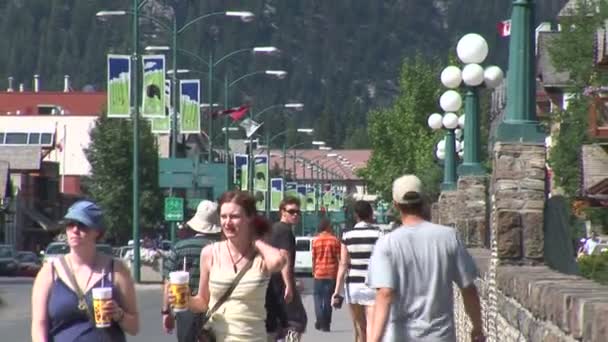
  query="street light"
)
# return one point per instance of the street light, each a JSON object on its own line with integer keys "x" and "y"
{"x": 318, "y": 143}
{"x": 325, "y": 148}
{"x": 450, "y": 122}
{"x": 472, "y": 50}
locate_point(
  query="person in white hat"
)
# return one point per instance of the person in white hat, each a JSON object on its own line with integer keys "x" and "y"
{"x": 413, "y": 269}
{"x": 204, "y": 229}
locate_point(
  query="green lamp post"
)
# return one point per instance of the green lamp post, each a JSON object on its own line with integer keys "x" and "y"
{"x": 520, "y": 123}
{"x": 472, "y": 50}
{"x": 449, "y": 122}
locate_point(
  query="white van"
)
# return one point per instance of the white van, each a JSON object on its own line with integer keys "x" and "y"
{"x": 303, "y": 255}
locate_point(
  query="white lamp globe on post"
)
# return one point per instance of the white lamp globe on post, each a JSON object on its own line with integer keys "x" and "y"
{"x": 435, "y": 121}
{"x": 450, "y": 121}
{"x": 450, "y": 101}
{"x": 461, "y": 121}
{"x": 493, "y": 76}
{"x": 472, "y": 48}
{"x": 451, "y": 77}
{"x": 440, "y": 154}
{"x": 473, "y": 75}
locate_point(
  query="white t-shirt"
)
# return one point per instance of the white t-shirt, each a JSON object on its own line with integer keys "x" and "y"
{"x": 590, "y": 245}
{"x": 420, "y": 263}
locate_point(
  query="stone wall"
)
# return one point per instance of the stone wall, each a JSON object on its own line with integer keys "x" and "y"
{"x": 518, "y": 199}
{"x": 465, "y": 209}
{"x": 535, "y": 304}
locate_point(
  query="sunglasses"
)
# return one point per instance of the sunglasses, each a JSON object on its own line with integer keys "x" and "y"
{"x": 293, "y": 211}
{"x": 79, "y": 225}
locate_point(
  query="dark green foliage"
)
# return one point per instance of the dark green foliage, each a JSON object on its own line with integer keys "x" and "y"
{"x": 595, "y": 267}
{"x": 343, "y": 56}
{"x": 110, "y": 184}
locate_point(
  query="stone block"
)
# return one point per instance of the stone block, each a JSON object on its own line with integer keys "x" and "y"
{"x": 532, "y": 184}
{"x": 532, "y": 224}
{"x": 508, "y": 234}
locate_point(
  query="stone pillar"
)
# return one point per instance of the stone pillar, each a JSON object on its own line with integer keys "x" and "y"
{"x": 518, "y": 195}
{"x": 465, "y": 209}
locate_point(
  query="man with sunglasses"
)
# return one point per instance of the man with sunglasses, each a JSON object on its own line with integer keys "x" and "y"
{"x": 286, "y": 319}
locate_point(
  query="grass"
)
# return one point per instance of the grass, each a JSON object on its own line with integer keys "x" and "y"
{"x": 118, "y": 95}
{"x": 595, "y": 267}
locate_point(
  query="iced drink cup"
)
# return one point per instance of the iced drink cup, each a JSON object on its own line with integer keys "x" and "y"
{"x": 179, "y": 288}
{"x": 101, "y": 296}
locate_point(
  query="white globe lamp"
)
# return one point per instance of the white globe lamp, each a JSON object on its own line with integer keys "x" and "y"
{"x": 493, "y": 76}
{"x": 441, "y": 145}
{"x": 435, "y": 121}
{"x": 451, "y": 77}
{"x": 461, "y": 121}
{"x": 458, "y": 131}
{"x": 472, "y": 48}
{"x": 450, "y": 101}
{"x": 450, "y": 121}
{"x": 440, "y": 155}
{"x": 473, "y": 75}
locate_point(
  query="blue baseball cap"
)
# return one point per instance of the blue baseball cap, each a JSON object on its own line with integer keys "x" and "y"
{"x": 87, "y": 213}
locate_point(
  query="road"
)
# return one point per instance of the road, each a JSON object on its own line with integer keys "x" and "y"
{"x": 15, "y": 315}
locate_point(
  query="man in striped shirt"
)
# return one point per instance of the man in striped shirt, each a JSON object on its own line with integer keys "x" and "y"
{"x": 325, "y": 258}
{"x": 357, "y": 246}
{"x": 186, "y": 254}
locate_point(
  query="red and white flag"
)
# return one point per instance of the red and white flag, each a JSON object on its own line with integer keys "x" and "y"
{"x": 236, "y": 113}
{"x": 504, "y": 28}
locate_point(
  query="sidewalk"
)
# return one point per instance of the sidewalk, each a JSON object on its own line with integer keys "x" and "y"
{"x": 341, "y": 326}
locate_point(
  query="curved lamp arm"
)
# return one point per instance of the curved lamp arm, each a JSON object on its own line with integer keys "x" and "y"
{"x": 204, "y": 16}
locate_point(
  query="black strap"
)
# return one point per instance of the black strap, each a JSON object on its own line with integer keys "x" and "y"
{"x": 79, "y": 293}
{"x": 228, "y": 292}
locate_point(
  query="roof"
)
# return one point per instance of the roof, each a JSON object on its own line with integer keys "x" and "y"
{"x": 21, "y": 157}
{"x": 73, "y": 103}
{"x": 594, "y": 165}
{"x": 355, "y": 158}
{"x": 546, "y": 71}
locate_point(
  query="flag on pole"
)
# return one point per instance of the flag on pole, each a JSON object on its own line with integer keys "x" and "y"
{"x": 119, "y": 86}
{"x": 504, "y": 28}
{"x": 250, "y": 126}
{"x": 163, "y": 125}
{"x": 236, "y": 113}
{"x": 189, "y": 105}
{"x": 153, "y": 104}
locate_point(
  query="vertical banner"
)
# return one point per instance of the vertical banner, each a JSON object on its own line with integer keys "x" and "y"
{"x": 326, "y": 195}
{"x": 291, "y": 189}
{"x": 310, "y": 197}
{"x": 189, "y": 106}
{"x": 153, "y": 104}
{"x": 241, "y": 162}
{"x": 163, "y": 125}
{"x": 260, "y": 180}
{"x": 119, "y": 86}
{"x": 301, "y": 189}
{"x": 276, "y": 193}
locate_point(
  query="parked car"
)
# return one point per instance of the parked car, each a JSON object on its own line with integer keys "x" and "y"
{"x": 56, "y": 249}
{"x": 8, "y": 261}
{"x": 29, "y": 263}
{"x": 303, "y": 255}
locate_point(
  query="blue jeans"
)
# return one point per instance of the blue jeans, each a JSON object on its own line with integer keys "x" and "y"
{"x": 323, "y": 290}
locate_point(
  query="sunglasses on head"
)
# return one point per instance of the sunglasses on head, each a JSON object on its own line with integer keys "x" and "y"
{"x": 293, "y": 211}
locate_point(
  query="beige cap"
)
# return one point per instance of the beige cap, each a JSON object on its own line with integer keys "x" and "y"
{"x": 206, "y": 220}
{"x": 407, "y": 189}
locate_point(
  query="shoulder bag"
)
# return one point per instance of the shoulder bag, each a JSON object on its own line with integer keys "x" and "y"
{"x": 206, "y": 334}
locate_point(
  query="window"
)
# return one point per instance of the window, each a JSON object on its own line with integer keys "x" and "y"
{"x": 1, "y": 138}
{"x": 303, "y": 246}
{"x": 34, "y": 139}
{"x": 46, "y": 139}
{"x": 16, "y": 138}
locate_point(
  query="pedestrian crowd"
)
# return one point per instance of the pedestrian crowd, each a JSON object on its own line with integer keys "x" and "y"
{"x": 232, "y": 278}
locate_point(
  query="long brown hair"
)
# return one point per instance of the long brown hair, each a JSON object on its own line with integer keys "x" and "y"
{"x": 246, "y": 201}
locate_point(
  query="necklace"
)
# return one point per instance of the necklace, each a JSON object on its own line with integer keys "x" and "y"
{"x": 82, "y": 304}
{"x": 234, "y": 263}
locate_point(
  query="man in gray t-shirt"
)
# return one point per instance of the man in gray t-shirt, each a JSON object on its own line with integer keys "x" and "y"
{"x": 413, "y": 269}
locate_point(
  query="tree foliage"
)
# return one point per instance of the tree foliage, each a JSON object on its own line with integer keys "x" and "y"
{"x": 401, "y": 141}
{"x": 110, "y": 154}
{"x": 573, "y": 52}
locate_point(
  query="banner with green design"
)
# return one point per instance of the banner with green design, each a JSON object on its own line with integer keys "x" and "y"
{"x": 301, "y": 188}
{"x": 119, "y": 86}
{"x": 291, "y": 189}
{"x": 163, "y": 125}
{"x": 310, "y": 197}
{"x": 189, "y": 106}
{"x": 260, "y": 180}
{"x": 241, "y": 166}
{"x": 153, "y": 103}
{"x": 276, "y": 193}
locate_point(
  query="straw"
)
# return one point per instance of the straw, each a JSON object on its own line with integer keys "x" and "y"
{"x": 184, "y": 264}
{"x": 103, "y": 276}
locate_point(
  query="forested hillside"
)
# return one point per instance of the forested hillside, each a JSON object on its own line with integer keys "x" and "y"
{"x": 343, "y": 56}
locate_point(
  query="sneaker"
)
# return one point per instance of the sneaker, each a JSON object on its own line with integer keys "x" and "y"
{"x": 317, "y": 325}
{"x": 292, "y": 336}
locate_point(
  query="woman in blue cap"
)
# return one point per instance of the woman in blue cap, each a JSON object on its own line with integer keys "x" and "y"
{"x": 62, "y": 308}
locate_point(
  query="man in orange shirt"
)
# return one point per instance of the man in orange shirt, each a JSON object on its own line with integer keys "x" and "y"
{"x": 325, "y": 259}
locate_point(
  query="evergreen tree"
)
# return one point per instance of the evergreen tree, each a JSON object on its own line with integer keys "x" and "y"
{"x": 110, "y": 184}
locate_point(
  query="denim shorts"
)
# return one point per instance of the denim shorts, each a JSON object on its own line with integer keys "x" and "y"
{"x": 359, "y": 294}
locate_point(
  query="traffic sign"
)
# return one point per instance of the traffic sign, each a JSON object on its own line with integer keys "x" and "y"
{"x": 174, "y": 209}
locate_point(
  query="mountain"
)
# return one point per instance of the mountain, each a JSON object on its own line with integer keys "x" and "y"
{"x": 343, "y": 56}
